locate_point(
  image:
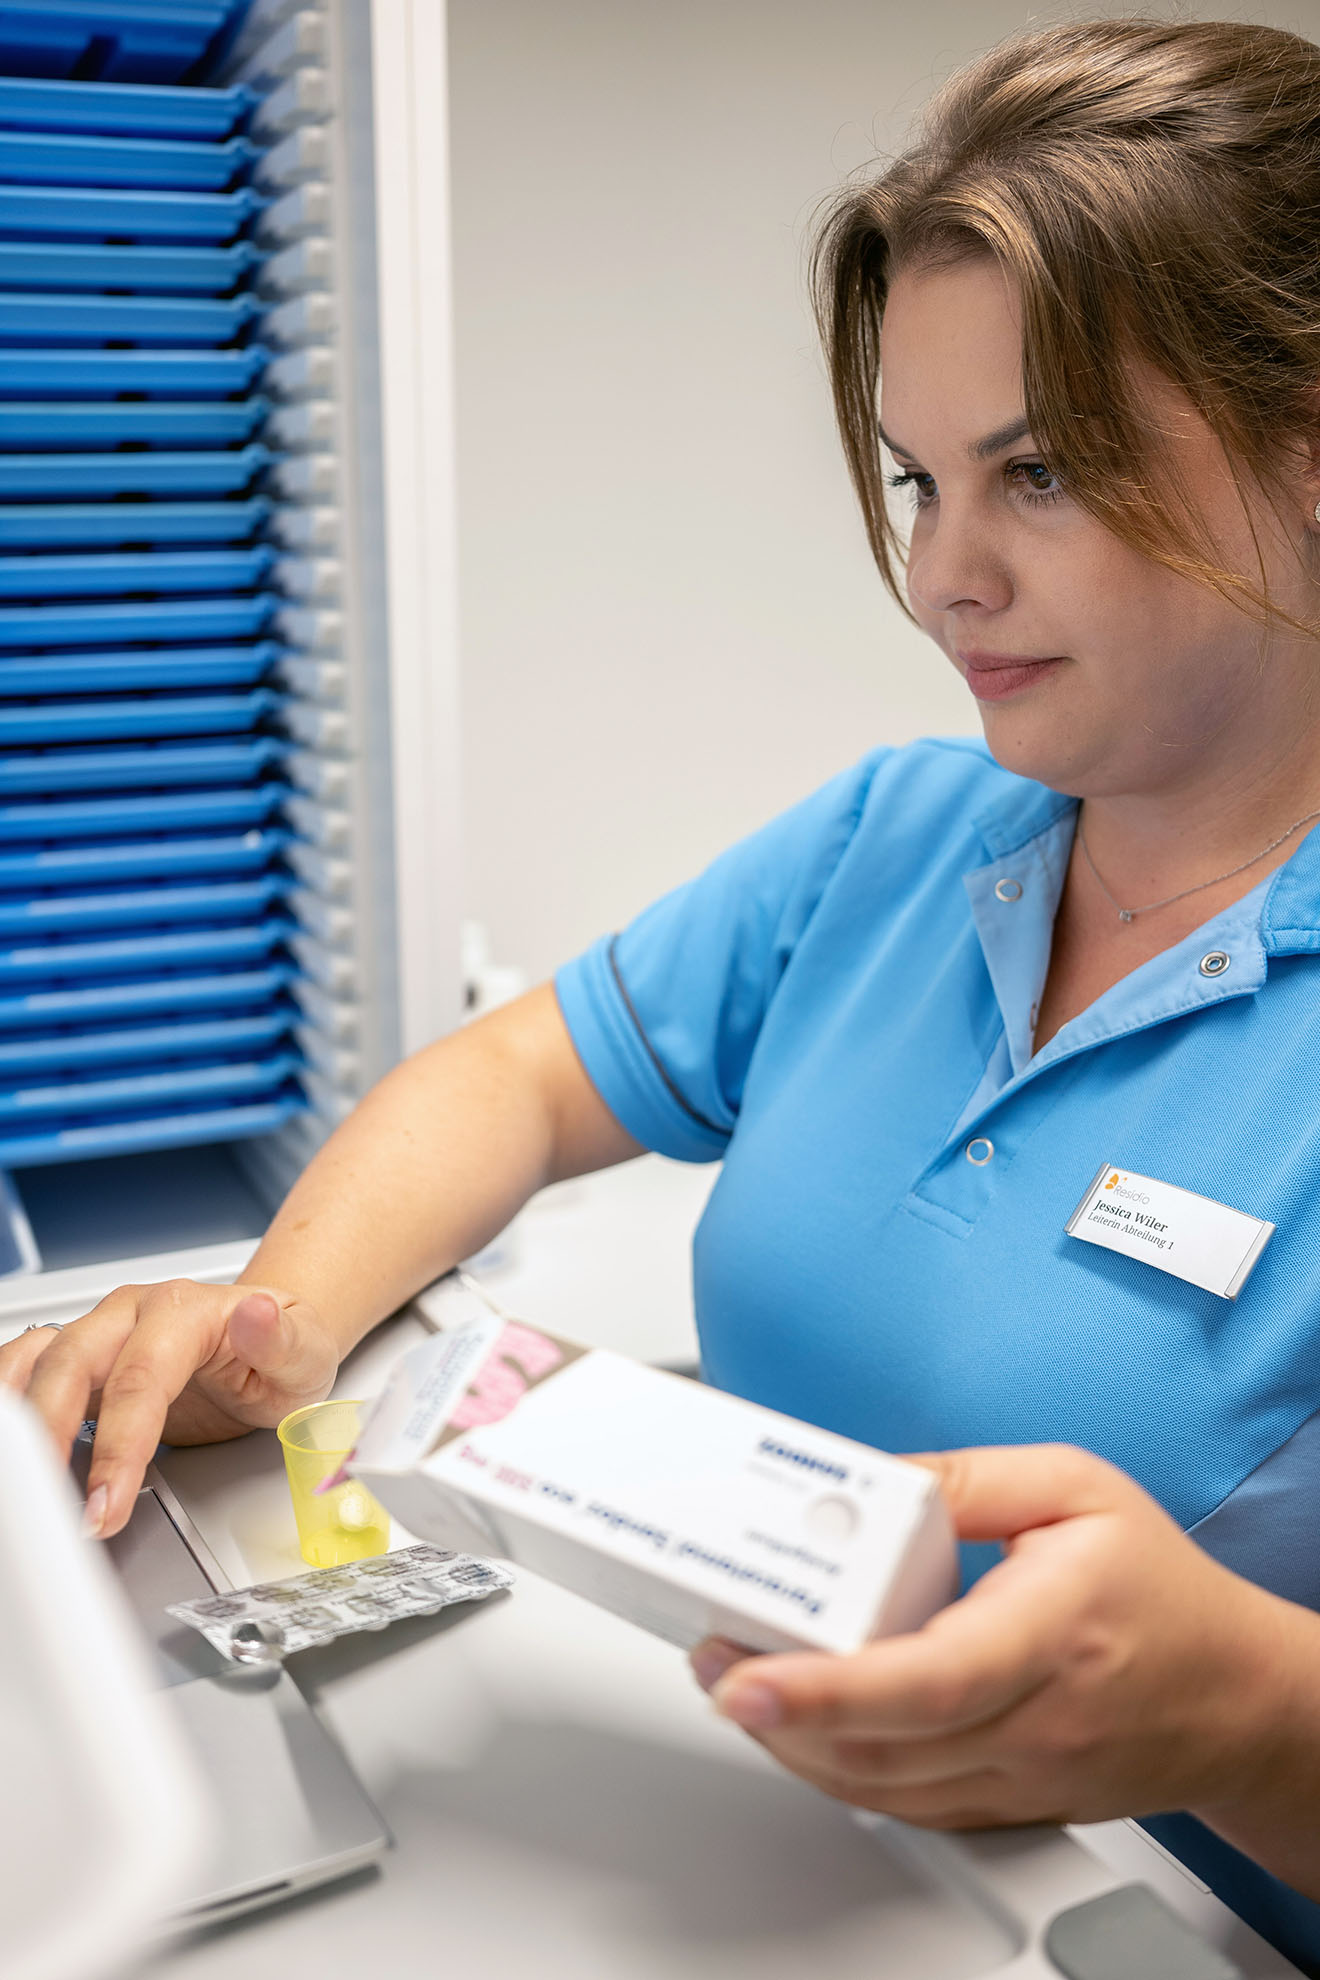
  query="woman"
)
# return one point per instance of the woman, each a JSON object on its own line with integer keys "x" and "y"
{"x": 917, "y": 1014}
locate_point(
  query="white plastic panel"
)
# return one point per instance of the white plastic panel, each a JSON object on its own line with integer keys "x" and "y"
{"x": 303, "y": 154}
{"x": 302, "y": 374}
{"x": 332, "y": 878}
{"x": 298, "y": 101}
{"x": 303, "y": 627}
{"x": 316, "y": 726}
{"x": 305, "y": 425}
{"x": 310, "y": 577}
{"x": 334, "y": 1020}
{"x": 307, "y": 478}
{"x": 323, "y": 777}
{"x": 329, "y": 969}
{"x": 306, "y": 210}
{"x": 307, "y": 264}
{"x": 307, "y": 527}
{"x": 103, "y": 1817}
{"x": 314, "y": 679}
{"x": 410, "y": 136}
{"x": 319, "y": 288}
{"x": 262, "y": 19}
{"x": 335, "y": 1063}
{"x": 301, "y": 40}
{"x": 326, "y": 826}
{"x": 306, "y": 319}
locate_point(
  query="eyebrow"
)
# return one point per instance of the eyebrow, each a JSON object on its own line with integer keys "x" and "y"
{"x": 979, "y": 450}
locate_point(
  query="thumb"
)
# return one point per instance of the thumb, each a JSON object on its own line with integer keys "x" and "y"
{"x": 1000, "y": 1491}
{"x": 264, "y": 1331}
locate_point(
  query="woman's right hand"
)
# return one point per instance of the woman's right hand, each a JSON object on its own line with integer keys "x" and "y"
{"x": 183, "y": 1362}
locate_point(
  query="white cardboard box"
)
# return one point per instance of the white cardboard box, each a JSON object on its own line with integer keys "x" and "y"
{"x": 681, "y": 1508}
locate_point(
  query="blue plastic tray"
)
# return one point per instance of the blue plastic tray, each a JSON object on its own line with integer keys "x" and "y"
{"x": 97, "y": 625}
{"x": 110, "y": 818}
{"x": 69, "y": 319}
{"x": 122, "y": 860}
{"x": 137, "y": 1044}
{"x": 207, "y": 619}
{"x": 73, "y": 1094}
{"x": 46, "y": 962}
{"x": 49, "y": 158}
{"x": 106, "y": 673}
{"x": 78, "y": 265}
{"x": 108, "y": 1001}
{"x": 116, "y": 767}
{"x": 159, "y": 472}
{"x": 109, "y": 40}
{"x": 45, "y": 424}
{"x": 99, "y": 214}
{"x": 96, "y": 374}
{"x": 53, "y": 525}
{"x": 27, "y": 104}
{"x": 139, "y": 716}
{"x": 115, "y": 572}
{"x": 170, "y": 1130}
{"x": 59, "y": 912}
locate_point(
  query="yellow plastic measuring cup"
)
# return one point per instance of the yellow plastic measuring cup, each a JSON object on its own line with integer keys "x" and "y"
{"x": 342, "y": 1525}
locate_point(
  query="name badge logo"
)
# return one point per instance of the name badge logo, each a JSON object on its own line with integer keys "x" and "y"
{"x": 1189, "y": 1236}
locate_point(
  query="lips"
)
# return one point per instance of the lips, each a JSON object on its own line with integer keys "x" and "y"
{"x": 995, "y": 676}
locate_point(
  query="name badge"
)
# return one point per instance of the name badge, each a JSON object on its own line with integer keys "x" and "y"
{"x": 1189, "y": 1236}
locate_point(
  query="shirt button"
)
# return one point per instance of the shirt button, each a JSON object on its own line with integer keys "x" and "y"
{"x": 979, "y": 1151}
{"x": 1008, "y": 890}
{"x": 1215, "y": 963}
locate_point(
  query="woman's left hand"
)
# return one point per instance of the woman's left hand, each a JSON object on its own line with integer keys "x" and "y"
{"x": 1107, "y": 1666}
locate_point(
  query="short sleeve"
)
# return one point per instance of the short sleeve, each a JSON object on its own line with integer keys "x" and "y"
{"x": 665, "y": 1016}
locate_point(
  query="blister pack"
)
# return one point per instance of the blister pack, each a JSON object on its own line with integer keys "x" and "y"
{"x": 276, "y": 1618}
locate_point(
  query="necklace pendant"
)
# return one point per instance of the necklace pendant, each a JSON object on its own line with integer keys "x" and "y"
{"x": 1125, "y": 914}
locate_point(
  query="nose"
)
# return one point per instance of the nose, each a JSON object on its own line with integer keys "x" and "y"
{"x": 954, "y": 561}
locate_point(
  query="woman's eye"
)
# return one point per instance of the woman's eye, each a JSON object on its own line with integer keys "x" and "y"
{"x": 922, "y": 485}
{"x": 1034, "y": 482}
{"x": 1037, "y": 482}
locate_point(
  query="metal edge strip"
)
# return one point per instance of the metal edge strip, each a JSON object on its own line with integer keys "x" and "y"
{"x": 1070, "y": 1228}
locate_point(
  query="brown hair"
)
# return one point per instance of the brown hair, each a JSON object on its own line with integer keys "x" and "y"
{"x": 1152, "y": 190}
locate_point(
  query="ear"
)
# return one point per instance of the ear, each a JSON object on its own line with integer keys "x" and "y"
{"x": 1306, "y": 463}
{"x": 1312, "y": 485}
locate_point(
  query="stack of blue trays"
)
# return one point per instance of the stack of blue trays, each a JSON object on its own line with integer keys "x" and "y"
{"x": 146, "y": 980}
{"x": 129, "y": 41}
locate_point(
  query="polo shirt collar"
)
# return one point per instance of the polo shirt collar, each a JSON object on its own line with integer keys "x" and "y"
{"x": 1026, "y": 831}
{"x": 1019, "y": 814}
{"x": 1290, "y": 923}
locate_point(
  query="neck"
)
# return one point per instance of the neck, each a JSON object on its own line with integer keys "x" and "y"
{"x": 1160, "y": 840}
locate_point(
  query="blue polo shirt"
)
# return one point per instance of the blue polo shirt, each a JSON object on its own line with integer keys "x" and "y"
{"x": 841, "y": 1008}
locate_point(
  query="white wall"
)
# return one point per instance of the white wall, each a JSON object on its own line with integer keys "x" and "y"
{"x": 671, "y": 624}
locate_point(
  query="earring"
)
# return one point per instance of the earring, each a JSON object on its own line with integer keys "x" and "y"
{"x": 1317, "y": 511}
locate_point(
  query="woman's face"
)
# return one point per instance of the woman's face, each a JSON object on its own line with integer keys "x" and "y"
{"x": 1095, "y": 671}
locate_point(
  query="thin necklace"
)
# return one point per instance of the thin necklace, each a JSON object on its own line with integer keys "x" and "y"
{"x": 1130, "y": 914}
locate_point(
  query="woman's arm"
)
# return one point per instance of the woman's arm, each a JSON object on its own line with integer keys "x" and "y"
{"x": 1106, "y": 1667}
{"x": 435, "y": 1160}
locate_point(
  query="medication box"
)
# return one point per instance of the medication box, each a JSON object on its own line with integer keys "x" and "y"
{"x": 685, "y": 1510}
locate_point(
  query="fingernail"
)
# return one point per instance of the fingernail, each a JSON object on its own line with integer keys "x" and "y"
{"x": 753, "y": 1706}
{"x": 710, "y": 1661}
{"x": 94, "y": 1513}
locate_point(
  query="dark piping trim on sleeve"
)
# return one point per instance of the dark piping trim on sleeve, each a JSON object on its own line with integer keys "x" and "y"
{"x": 653, "y": 1055}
